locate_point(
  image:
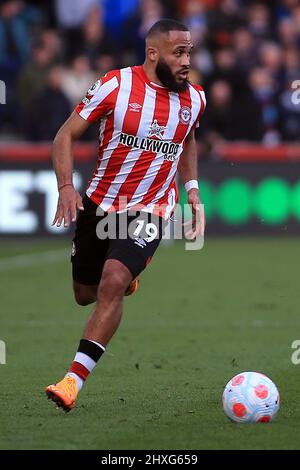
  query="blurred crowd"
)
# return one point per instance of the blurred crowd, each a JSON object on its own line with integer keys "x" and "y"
{"x": 246, "y": 56}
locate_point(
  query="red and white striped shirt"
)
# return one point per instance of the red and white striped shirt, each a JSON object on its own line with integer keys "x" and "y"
{"x": 142, "y": 133}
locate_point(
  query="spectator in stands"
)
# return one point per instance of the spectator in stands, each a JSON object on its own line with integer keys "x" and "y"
{"x": 222, "y": 22}
{"x": 259, "y": 22}
{"x": 33, "y": 77}
{"x": 106, "y": 62}
{"x": 271, "y": 58}
{"x": 52, "y": 42}
{"x": 71, "y": 14}
{"x": 290, "y": 116}
{"x": 295, "y": 13}
{"x": 15, "y": 21}
{"x": 202, "y": 60}
{"x": 195, "y": 18}
{"x": 287, "y": 32}
{"x": 245, "y": 51}
{"x": 117, "y": 13}
{"x": 50, "y": 109}
{"x": 289, "y": 110}
{"x": 284, "y": 8}
{"x": 291, "y": 66}
{"x": 226, "y": 69}
{"x": 96, "y": 39}
{"x": 266, "y": 96}
{"x": 227, "y": 118}
{"x": 136, "y": 27}
{"x": 14, "y": 34}
{"x": 77, "y": 79}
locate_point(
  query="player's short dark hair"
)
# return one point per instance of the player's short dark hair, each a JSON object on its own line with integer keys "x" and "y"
{"x": 165, "y": 25}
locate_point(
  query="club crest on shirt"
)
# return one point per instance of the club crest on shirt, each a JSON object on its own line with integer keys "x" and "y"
{"x": 155, "y": 130}
{"x": 185, "y": 115}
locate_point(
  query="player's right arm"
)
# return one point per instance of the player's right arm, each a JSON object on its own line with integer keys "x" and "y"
{"x": 99, "y": 101}
{"x": 69, "y": 200}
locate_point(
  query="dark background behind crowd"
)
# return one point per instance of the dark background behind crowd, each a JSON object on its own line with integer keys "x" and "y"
{"x": 246, "y": 56}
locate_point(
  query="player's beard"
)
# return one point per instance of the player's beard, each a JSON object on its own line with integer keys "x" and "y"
{"x": 167, "y": 78}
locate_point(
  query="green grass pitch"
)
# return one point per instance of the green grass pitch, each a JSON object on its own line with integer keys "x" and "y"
{"x": 199, "y": 318}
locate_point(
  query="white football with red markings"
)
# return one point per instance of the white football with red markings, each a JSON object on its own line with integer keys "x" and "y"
{"x": 251, "y": 397}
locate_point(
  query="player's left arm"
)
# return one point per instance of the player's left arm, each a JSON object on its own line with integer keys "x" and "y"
{"x": 188, "y": 171}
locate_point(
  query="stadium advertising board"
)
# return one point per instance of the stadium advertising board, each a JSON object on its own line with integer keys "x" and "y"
{"x": 239, "y": 198}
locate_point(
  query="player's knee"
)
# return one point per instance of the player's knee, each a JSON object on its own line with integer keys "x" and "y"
{"x": 113, "y": 283}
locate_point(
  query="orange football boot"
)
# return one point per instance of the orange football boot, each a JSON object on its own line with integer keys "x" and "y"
{"x": 133, "y": 286}
{"x": 64, "y": 393}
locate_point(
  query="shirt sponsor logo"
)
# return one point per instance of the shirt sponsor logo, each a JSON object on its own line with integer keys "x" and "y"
{"x": 135, "y": 107}
{"x": 185, "y": 115}
{"x": 155, "y": 130}
{"x": 169, "y": 149}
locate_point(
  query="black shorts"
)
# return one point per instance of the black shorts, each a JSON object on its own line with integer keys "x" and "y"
{"x": 89, "y": 252}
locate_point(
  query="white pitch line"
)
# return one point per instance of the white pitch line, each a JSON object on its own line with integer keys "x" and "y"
{"x": 33, "y": 259}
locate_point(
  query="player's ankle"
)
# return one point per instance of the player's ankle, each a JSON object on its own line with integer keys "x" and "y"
{"x": 78, "y": 379}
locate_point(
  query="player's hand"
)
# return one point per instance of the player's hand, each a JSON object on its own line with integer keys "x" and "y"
{"x": 69, "y": 201}
{"x": 198, "y": 220}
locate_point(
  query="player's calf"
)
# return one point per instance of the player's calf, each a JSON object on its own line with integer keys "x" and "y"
{"x": 101, "y": 326}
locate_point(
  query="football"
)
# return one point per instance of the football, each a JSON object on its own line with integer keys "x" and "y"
{"x": 251, "y": 397}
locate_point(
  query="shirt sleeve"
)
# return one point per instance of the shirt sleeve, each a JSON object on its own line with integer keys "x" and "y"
{"x": 99, "y": 99}
{"x": 202, "y": 106}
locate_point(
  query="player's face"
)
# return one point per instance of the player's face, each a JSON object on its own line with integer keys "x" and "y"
{"x": 173, "y": 64}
